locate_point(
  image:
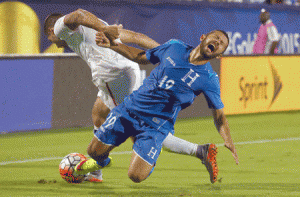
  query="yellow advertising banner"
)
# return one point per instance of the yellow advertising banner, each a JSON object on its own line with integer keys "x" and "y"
{"x": 260, "y": 84}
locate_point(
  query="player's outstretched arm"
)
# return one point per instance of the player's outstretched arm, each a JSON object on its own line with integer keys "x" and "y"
{"x": 222, "y": 126}
{"x": 132, "y": 53}
{"x": 85, "y": 18}
{"x": 140, "y": 39}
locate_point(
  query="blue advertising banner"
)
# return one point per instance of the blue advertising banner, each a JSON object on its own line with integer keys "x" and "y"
{"x": 185, "y": 20}
{"x": 161, "y": 21}
{"x": 26, "y": 95}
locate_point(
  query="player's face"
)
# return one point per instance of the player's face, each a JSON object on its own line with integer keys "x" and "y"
{"x": 54, "y": 39}
{"x": 213, "y": 44}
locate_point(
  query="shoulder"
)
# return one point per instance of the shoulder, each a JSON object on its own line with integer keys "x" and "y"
{"x": 59, "y": 24}
{"x": 60, "y": 29}
{"x": 64, "y": 32}
{"x": 177, "y": 46}
{"x": 176, "y": 42}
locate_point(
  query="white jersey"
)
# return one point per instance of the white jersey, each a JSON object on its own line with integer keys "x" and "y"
{"x": 106, "y": 65}
{"x": 115, "y": 76}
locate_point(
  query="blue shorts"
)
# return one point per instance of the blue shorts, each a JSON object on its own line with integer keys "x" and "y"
{"x": 121, "y": 124}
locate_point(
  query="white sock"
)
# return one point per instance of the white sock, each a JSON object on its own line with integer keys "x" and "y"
{"x": 177, "y": 145}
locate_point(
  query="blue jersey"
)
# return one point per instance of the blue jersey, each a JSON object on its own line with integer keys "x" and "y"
{"x": 173, "y": 86}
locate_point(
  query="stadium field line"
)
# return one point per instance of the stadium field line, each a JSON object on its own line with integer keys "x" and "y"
{"x": 129, "y": 152}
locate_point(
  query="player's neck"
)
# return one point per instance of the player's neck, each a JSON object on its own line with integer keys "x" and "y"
{"x": 196, "y": 58}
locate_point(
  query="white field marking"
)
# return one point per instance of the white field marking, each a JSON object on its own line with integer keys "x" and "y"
{"x": 264, "y": 141}
{"x": 53, "y": 158}
{"x": 129, "y": 152}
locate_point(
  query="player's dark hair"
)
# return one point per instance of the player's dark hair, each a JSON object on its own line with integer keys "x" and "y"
{"x": 50, "y": 21}
{"x": 224, "y": 32}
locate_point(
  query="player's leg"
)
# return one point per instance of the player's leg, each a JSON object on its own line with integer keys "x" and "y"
{"x": 206, "y": 153}
{"x": 99, "y": 113}
{"x": 178, "y": 145}
{"x": 99, "y": 152}
{"x": 146, "y": 150}
{"x": 103, "y": 105}
{"x": 109, "y": 96}
{"x": 139, "y": 169}
{"x": 106, "y": 138}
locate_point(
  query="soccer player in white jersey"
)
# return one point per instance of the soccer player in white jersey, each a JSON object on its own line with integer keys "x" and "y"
{"x": 114, "y": 75}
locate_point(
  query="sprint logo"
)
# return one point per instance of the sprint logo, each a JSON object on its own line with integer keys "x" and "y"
{"x": 277, "y": 83}
{"x": 258, "y": 89}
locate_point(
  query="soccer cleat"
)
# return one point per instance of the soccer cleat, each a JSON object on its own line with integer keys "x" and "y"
{"x": 95, "y": 176}
{"x": 89, "y": 165}
{"x": 208, "y": 156}
{"x": 86, "y": 166}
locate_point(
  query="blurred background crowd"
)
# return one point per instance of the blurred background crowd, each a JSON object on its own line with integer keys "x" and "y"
{"x": 286, "y": 2}
{"x": 21, "y": 31}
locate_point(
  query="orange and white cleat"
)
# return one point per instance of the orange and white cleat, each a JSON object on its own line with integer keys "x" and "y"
{"x": 209, "y": 159}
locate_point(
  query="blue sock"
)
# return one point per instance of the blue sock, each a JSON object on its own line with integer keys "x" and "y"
{"x": 104, "y": 163}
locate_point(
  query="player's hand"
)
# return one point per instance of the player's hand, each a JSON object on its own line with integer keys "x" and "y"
{"x": 102, "y": 40}
{"x": 231, "y": 147}
{"x": 112, "y": 32}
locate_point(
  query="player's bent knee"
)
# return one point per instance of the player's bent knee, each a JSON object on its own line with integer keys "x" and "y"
{"x": 137, "y": 178}
{"x": 139, "y": 169}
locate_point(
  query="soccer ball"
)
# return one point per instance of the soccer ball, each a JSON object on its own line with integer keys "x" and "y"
{"x": 67, "y": 165}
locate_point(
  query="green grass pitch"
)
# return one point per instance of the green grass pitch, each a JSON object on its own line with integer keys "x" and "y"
{"x": 268, "y": 146}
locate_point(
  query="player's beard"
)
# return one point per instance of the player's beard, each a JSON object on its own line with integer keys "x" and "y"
{"x": 204, "y": 54}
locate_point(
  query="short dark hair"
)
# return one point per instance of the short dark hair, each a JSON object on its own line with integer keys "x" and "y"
{"x": 50, "y": 21}
{"x": 224, "y": 32}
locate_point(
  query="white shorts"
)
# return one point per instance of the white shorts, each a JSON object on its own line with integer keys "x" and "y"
{"x": 113, "y": 93}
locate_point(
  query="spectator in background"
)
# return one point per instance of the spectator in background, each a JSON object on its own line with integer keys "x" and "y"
{"x": 292, "y": 2}
{"x": 274, "y": 1}
{"x": 267, "y": 37}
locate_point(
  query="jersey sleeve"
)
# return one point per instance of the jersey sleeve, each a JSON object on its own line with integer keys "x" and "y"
{"x": 61, "y": 30}
{"x": 213, "y": 100}
{"x": 155, "y": 55}
{"x": 213, "y": 95}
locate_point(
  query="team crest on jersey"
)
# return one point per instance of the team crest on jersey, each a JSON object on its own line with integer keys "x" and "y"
{"x": 155, "y": 120}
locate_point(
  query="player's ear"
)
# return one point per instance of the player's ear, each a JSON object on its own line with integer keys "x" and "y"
{"x": 50, "y": 30}
{"x": 202, "y": 37}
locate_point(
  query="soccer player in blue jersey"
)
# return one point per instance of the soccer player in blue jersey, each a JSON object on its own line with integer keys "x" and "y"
{"x": 149, "y": 113}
